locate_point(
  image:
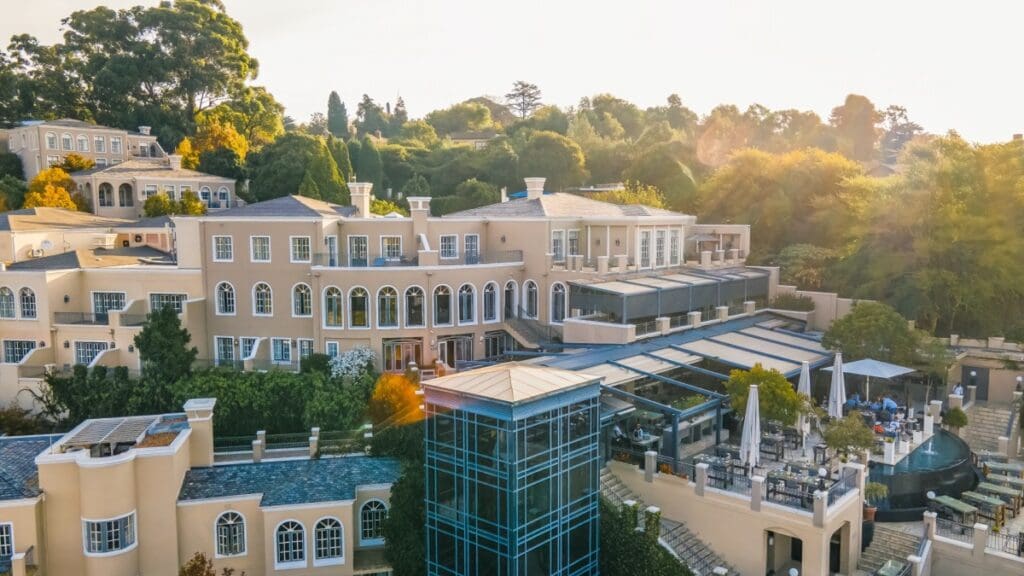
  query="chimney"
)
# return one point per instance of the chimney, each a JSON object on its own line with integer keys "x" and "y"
{"x": 144, "y": 130}
{"x": 174, "y": 161}
{"x": 504, "y": 194}
{"x": 361, "y": 193}
{"x": 534, "y": 187}
{"x": 200, "y": 420}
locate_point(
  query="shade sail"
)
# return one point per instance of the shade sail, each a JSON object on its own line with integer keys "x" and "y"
{"x": 874, "y": 369}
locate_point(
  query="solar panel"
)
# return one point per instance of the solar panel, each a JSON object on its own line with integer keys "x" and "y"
{"x": 111, "y": 431}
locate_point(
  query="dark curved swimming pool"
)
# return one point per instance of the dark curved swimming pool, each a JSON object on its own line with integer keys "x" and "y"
{"x": 942, "y": 465}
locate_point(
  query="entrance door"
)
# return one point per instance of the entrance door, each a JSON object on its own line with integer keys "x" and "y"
{"x": 980, "y": 379}
{"x": 455, "y": 349}
{"x": 510, "y": 300}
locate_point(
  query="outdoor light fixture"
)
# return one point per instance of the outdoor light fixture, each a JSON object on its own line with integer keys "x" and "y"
{"x": 771, "y": 540}
{"x": 598, "y": 241}
{"x": 131, "y": 348}
{"x": 43, "y": 345}
{"x": 67, "y": 344}
{"x": 794, "y": 572}
{"x": 973, "y": 373}
{"x": 67, "y": 298}
{"x": 502, "y": 238}
{"x": 617, "y": 241}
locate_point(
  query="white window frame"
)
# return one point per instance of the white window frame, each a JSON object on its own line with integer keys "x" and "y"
{"x": 21, "y": 303}
{"x": 453, "y": 310}
{"x": 242, "y": 340}
{"x": 572, "y": 236}
{"x": 216, "y": 350}
{"x": 92, "y": 299}
{"x": 299, "y": 342}
{"x": 116, "y": 145}
{"x": 9, "y": 526}
{"x": 371, "y": 541}
{"x": 344, "y": 308}
{"x": 642, "y": 261}
{"x": 149, "y": 299}
{"x": 53, "y": 144}
{"x": 331, "y": 247}
{"x": 558, "y": 245}
{"x": 673, "y": 246}
{"x": 455, "y": 247}
{"x": 171, "y": 190}
{"x": 253, "y": 296}
{"x": 328, "y": 344}
{"x": 330, "y": 560}
{"x": 151, "y": 190}
{"x": 525, "y": 299}
{"x": 102, "y": 346}
{"x": 310, "y": 289}
{"x": 79, "y": 140}
{"x": 234, "y": 299}
{"x": 252, "y": 249}
{"x": 398, "y": 308}
{"x": 458, "y": 307}
{"x": 99, "y": 144}
{"x": 305, "y": 548}
{"x": 101, "y": 162}
{"x": 551, "y": 303}
{"x": 291, "y": 250}
{"x": 67, "y": 142}
{"x": 660, "y": 248}
{"x": 288, "y": 347}
{"x": 133, "y": 518}
{"x": 370, "y": 304}
{"x": 405, "y": 305}
{"x": 231, "y": 248}
{"x": 20, "y": 342}
{"x": 465, "y": 244}
{"x": 348, "y": 248}
{"x": 384, "y": 251}
{"x": 216, "y": 536}
{"x": 497, "y": 303}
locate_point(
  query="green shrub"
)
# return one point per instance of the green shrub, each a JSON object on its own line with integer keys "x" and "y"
{"x": 795, "y": 302}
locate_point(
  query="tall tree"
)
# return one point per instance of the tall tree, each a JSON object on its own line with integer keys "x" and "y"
{"x": 399, "y": 116}
{"x": 873, "y": 330}
{"x": 337, "y": 116}
{"x": 339, "y": 151}
{"x": 278, "y": 169}
{"x": 899, "y": 130}
{"x": 370, "y": 117}
{"x": 163, "y": 346}
{"x": 524, "y": 98}
{"x": 370, "y": 167}
{"x": 855, "y": 123}
{"x": 462, "y": 117}
{"x": 317, "y": 124}
{"x": 554, "y": 157}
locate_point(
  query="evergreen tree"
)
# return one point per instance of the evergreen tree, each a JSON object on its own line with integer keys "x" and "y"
{"x": 339, "y": 151}
{"x": 416, "y": 186}
{"x": 329, "y": 182}
{"x": 399, "y": 116}
{"x": 308, "y": 188}
{"x": 337, "y": 116}
{"x": 355, "y": 148}
{"x": 163, "y": 347}
{"x": 370, "y": 167}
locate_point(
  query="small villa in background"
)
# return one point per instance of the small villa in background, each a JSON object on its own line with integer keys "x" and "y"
{"x": 130, "y": 166}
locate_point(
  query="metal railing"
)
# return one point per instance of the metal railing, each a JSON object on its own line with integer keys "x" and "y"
{"x": 81, "y": 318}
{"x": 648, "y": 327}
{"x": 954, "y": 530}
{"x": 846, "y": 483}
{"x": 1006, "y": 543}
{"x": 384, "y": 260}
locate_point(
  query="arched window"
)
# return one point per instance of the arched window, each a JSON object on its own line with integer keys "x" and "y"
{"x": 225, "y": 298}
{"x": 291, "y": 544}
{"x": 371, "y": 521}
{"x": 125, "y": 197}
{"x": 230, "y": 534}
{"x": 530, "y": 298}
{"x": 106, "y": 194}
{"x": 490, "y": 302}
{"x": 334, "y": 304}
{"x": 329, "y": 542}
{"x": 6, "y": 303}
{"x": 414, "y": 307}
{"x": 222, "y": 194}
{"x": 359, "y": 308}
{"x": 204, "y": 194}
{"x": 557, "y": 302}
{"x": 467, "y": 304}
{"x": 66, "y": 142}
{"x": 262, "y": 300}
{"x": 510, "y": 299}
{"x": 442, "y": 306}
{"x": 83, "y": 144}
{"x": 51, "y": 141}
{"x": 302, "y": 300}
{"x": 387, "y": 307}
{"x": 28, "y": 303}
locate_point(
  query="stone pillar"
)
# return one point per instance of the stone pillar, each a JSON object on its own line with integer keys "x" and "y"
{"x": 929, "y": 425}
{"x": 18, "y": 567}
{"x": 315, "y": 431}
{"x": 972, "y": 394}
{"x": 693, "y": 319}
{"x": 257, "y": 451}
{"x": 261, "y": 435}
{"x": 200, "y": 419}
{"x": 749, "y": 307}
{"x": 734, "y": 255}
{"x": 954, "y": 339}
{"x": 820, "y": 507}
{"x": 980, "y": 540}
{"x": 917, "y": 437}
{"x": 602, "y": 264}
{"x": 650, "y": 465}
{"x": 664, "y": 324}
{"x": 702, "y": 478}
{"x": 314, "y": 446}
{"x": 756, "y": 492}
{"x": 936, "y": 408}
{"x": 722, "y": 313}
{"x": 929, "y": 524}
{"x": 916, "y": 565}
{"x": 902, "y": 446}
{"x": 705, "y": 258}
{"x": 719, "y": 255}
{"x": 889, "y": 452}
{"x": 956, "y": 401}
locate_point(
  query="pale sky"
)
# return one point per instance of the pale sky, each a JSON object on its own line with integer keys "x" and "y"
{"x": 953, "y": 64}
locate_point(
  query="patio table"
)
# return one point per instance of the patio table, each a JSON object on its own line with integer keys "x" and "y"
{"x": 1010, "y": 468}
{"x": 1003, "y": 492}
{"x": 966, "y": 512}
{"x": 794, "y": 486}
{"x": 992, "y": 508}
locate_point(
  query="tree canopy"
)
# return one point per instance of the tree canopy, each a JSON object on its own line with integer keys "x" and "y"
{"x": 777, "y": 399}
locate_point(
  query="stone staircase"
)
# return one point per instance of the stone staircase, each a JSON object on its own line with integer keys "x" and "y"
{"x": 889, "y": 543}
{"x": 697, "y": 555}
{"x": 985, "y": 424}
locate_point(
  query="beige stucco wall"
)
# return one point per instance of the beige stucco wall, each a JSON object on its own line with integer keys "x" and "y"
{"x": 952, "y": 558}
{"x": 29, "y": 143}
{"x": 26, "y": 518}
{"x": 1002, "y": 378}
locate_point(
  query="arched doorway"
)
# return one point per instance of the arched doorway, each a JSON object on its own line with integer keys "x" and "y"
{"x": 511, "y": 300}
{"x": 125, "y": 196}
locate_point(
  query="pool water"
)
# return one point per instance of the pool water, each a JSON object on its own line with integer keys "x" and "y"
{"x": 942, "y": 465}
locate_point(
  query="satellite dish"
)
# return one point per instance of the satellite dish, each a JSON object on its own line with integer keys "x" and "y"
{"x": 46, "y": 245}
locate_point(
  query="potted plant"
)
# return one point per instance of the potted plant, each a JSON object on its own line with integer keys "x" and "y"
{"x": 955, "y": 419}
{"x": 874, "y": 492}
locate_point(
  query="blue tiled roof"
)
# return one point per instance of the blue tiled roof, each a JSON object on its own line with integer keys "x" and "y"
{"x": 287, "y": 482}
{"x": 18, "y": 475}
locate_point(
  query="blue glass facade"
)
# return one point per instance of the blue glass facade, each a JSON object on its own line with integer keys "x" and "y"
{"x": 512, "y": 490}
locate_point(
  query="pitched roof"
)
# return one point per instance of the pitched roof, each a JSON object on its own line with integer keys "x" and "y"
{"x": 154, "y": 222}
{"x": 155, "y": 168}
{"x": 510, "y": 382}
{"x": 560, "y": 205}
{"x": 49, "y": 218}
{"x": 94, "y": 258}
{"x": 19, "y": 477}
{"x": 286, "y": 207}
{"x": 285, "y": 482}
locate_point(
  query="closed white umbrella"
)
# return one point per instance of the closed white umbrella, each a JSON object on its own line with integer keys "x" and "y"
{"x": 750, "y": 442}
{"x": 803, "y": 423}
{"x": 837, "y": 390}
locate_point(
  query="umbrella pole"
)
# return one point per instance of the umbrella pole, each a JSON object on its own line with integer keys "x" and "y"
{"x": 867, "y": 389}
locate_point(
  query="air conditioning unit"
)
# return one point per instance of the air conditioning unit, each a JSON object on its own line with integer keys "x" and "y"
{"x": 107, "y": 241}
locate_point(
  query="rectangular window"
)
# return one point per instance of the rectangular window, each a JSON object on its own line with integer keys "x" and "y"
{"x": 659, "y": 248}
{"x": 150, "y": 190}
{"x": 472, "y": 247}
{"x": 245, "y": 346}
{"x": 100, "y": 145}
{"x": 101, "y": 162}
{"x": 16, "y": 350}
{"x": 391, "y": 247}
{"x": 357, "y": 248}
{"x": 281, "y": 350}
{"x": 105, "y": 536}
{"x": 115, "y": 145}
{"x": 673, "y": 247}
{"x": 260, "y": 248}
{"x": 449, "y": 246}
{"x": 300, "y": 249}
{"x": 171, "y": 190}
{"x": 331, "y": 243}
{"x": 51, "y": 141}
{"x": 558, "y": 245}
{"x": 104, "y": 302}
{"x": 161, "y": 300}
{"x": 305, "y": 348}
{"x": 66, "y": 142}
{"x": 6, "y": 542}
{"x": 225, "y": 350}
{"x": 86, "y": 352}
{"x": 223, "y": 250}
{"x": 52, "y": 161}
{"x": 83, "y": 143}
{"x": 645, "y": 249}
{"x": 574, "y": 242}
{"x": 332, "y": 348}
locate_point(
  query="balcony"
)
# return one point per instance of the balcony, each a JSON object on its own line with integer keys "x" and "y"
{"x": 388, "y": 260}
{"x": 81, "y": 319}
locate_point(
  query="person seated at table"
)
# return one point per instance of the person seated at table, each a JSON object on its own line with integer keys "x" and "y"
{"x": 877, "y": 404}
{"x": 889, "y": 404}
{"x": 853, "y": 401}
{"x": 639, "y": 434}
